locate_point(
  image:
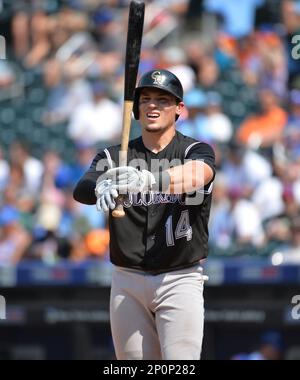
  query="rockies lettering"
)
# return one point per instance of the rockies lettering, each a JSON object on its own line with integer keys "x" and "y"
{"x": 152, "y": 198}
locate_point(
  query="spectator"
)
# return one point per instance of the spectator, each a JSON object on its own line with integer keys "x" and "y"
{"x": 238, "y": 16}
{"x": 107, "y": 30}
{"x": 270, "y": 348}
{"x": 289, "y": 253}
{"x": 267, "y": 197}
{"x": 266, "y": 128}
{"x": 20, "y": 155}
{"x": 40, "y": 39}
{"x": 195, "y": 124}
{"x": 68, "y": 174}
{"x": 247, "y": 222}
{"x": 219, "y": 124}
{"x": 20, "y": 33}
{"x": 14, "y": 240}
{"x": 68, "y": 90}
{"x": 208, "y": 73}
{"x": 221, "y": 225}
{"x": 7, "y": 76}
{"x": 96, "y": 121}
{"x": 174, "y": 59}
{"x": 263, "y": 62}
{"x": 4, "y": 171}
{"x": 292, "y": 131}
{"x": 244, "y": 168}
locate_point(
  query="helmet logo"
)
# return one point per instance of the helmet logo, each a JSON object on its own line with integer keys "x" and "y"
{"x": 157, "y": 77}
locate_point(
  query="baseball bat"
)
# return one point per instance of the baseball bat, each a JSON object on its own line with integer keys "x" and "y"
{"x": 133, "y": 50}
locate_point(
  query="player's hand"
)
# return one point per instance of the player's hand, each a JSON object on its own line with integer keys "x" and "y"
{"x": 106, "y": 193}
{"x": 128, "y": 179}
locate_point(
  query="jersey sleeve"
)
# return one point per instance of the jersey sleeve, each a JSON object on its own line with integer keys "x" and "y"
{"x": 202, "y": 152}
{"x": 84, "y": 191}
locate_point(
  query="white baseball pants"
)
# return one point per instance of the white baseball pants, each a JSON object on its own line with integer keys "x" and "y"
{"x": 157, "y": 317}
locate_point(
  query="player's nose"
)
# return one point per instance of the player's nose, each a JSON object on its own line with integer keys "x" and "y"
{"x": 152, "y": 104}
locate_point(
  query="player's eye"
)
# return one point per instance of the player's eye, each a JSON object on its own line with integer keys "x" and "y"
{"x": 163, "y": 100}
{"x": 144, "y": 99}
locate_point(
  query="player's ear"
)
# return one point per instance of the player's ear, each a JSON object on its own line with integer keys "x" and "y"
{"x": 179, "y": 108}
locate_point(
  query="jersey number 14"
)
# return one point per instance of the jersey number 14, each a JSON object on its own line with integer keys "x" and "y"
{"x": 183, "y": 228}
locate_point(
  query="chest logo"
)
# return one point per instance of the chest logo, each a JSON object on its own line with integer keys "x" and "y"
{"x": 157, "y": 77}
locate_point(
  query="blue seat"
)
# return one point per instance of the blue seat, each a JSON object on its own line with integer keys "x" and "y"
{"x": 7, "y": 115}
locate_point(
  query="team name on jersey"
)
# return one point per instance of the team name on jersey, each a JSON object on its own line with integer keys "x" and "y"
{"x": 149, "y": 198}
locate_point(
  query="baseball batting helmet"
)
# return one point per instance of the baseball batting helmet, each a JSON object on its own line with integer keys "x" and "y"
{"x": 161, "y": 79}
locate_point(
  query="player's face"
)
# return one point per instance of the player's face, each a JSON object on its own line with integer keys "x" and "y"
{"x": 158, "y": 110}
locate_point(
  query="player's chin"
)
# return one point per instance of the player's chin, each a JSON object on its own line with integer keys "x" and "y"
{"x": 154, "y": 129}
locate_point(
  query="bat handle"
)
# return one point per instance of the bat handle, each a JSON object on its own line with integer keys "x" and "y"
{"x": 119, "y": 212}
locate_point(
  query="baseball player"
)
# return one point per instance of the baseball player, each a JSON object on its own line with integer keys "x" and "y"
{"x": 156, "y": 305}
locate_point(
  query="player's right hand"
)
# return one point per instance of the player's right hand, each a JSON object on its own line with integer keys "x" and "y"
{"x": 106, "y": 193}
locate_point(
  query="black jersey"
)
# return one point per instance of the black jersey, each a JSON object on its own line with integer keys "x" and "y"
{"x": 160, "y": 232}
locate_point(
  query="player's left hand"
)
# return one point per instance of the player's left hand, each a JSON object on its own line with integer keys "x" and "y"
{"x": 128, "y": 179}
{"x": 105, "y": 192}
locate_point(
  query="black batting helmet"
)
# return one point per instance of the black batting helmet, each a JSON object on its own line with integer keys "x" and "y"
{"x": 161, "y": 79}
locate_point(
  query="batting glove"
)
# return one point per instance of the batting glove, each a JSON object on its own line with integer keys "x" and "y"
{"x": 105, "y": 192}
{"x": 128, "y": 179}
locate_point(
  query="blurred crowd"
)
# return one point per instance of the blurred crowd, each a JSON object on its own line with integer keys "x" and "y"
{"x": 61, "y": 91}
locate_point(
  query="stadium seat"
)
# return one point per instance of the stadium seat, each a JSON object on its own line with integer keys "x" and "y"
{"x": 36, "y": 95}
{"x": 7, "y": 136}
{"x": 7, "y": 115}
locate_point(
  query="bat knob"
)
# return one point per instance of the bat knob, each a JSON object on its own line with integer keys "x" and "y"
{"x": 119, "y": 212}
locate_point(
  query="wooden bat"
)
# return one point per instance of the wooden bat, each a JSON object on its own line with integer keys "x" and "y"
{"x": 133, "y": 49}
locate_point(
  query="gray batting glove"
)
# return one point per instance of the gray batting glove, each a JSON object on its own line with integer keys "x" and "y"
{"x": 105, "y": 192}
{"x": 127, "y": 179}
